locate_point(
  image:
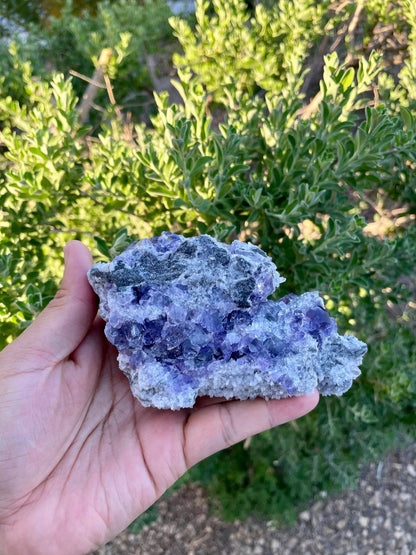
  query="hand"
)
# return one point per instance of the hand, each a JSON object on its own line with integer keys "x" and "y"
{"x": 80, "y": 458}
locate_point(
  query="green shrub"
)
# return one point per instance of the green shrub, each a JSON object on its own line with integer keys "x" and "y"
{"x": 265, "y": 52}
{"x": 131, "y": 28}
{"x": 330, "y": 197}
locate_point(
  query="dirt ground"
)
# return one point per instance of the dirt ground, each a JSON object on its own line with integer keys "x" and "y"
{"x": 376, "y": 518}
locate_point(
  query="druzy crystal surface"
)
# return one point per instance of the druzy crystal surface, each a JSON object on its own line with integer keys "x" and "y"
{"x": 191, "y": 317}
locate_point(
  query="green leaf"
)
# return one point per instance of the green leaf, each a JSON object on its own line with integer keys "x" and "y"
{"x": 256, "y": 195}
{"x": 407, "y": 118}
{"x": 38, "y": 152}
{"x": 347, "y": 78}
{"x": 24, "y": 308}
{"x": 199, "y": 165}
{"x": 102, "y": 246}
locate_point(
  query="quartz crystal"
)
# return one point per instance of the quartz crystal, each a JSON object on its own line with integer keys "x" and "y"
{"x": 191, "y": 317}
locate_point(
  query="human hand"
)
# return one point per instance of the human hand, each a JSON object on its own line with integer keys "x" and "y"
{"x": 80, "y": 458}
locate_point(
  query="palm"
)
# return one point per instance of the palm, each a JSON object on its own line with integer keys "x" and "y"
{"x": 81, "y": 457}
{"x": 91, "y": 466}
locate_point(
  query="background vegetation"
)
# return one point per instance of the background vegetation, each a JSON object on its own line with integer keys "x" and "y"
{"x": 291, "y": 124}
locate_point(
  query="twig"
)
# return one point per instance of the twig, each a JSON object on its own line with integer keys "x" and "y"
{"x": 247, "y": 442}
{"x": 353, "y": 23}
{"x": 127, "y": 129}
{"x": 73, "y": 231}
{"x": 101, "y": 203}
{"x": 356, "y": 17}
{"x": 87, "y": 79}
{"x": 313, "y": 105}
{"x": 92, "y": 89}
{"x": 109, "y": 88}
{"x": 350, "y": 28}
{"x": 340, "y": 7}
{"x": 376, "y": 207}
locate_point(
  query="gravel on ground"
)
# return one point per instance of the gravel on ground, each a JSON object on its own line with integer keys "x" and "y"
{"x": 378, "y": 517}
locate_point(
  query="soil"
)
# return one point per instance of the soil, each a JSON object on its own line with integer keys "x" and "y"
{"x": 376, "y": 518}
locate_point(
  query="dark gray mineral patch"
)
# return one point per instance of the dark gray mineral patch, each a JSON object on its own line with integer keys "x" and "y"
{"x": 190, "y": 317}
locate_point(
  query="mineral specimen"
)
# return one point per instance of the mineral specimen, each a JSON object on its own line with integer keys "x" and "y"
{"x": 190, "y": 317}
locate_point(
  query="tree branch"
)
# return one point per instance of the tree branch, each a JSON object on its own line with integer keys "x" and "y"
{"x": 95, "y": 83}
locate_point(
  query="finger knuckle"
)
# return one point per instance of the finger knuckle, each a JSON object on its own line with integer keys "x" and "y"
{"x": 60, "y": 299}
{"x": 227, "y": 423}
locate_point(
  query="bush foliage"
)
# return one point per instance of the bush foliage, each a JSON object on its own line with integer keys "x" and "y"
{"x": 327, "y": 188}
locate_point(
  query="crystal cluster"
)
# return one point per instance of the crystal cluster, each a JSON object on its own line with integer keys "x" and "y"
{"x": 191, "y": 317}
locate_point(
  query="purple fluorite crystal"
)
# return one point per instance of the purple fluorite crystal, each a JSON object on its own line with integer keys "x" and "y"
{"x": 190, "y": 317}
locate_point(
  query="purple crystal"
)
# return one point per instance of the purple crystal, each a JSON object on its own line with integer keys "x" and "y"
{"x": 190, "y": 317}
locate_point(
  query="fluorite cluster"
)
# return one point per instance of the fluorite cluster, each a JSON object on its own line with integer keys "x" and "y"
{"x": 191, "y": 317}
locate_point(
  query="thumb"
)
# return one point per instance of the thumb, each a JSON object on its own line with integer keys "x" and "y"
{"x": 62, "y": 325}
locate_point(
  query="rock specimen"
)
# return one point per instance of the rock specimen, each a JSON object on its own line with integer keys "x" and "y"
{"x": 190, "y": 317}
